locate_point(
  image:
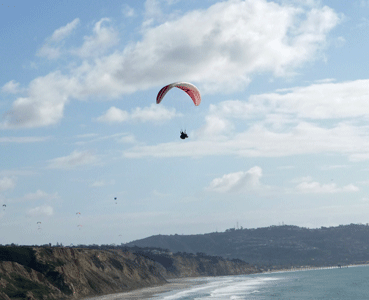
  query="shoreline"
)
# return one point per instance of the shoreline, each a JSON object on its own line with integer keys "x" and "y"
{"x": 149, "y": 292}
{"x": 310, "y": 268}
{"x": 188, "y": 282}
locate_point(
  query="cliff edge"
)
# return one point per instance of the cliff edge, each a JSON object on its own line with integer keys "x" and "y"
{"x": 74, "y": 273}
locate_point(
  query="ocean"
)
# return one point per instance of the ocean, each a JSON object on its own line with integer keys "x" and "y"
{"x": 345, "y": 283}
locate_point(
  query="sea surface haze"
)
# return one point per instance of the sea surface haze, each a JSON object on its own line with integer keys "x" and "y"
{"x": 345, "y": 283}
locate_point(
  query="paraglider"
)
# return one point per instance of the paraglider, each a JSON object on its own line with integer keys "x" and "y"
{"x": 79, "y": 226}
{"x": 78, "y": 213}
{"x": 115, "y": 198}
{"x": 4, "y": 205}
{"x": 189, "y": 88}
{"x": 183, "y": 135}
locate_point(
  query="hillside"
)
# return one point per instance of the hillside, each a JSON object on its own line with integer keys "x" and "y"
{"x": 279, "y": 246}
{"x": 74, "y": 273}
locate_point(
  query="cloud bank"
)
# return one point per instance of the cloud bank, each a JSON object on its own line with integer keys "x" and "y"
{"x": 232, "y": 46}
{"x": 75, "y": 159}
{"x": 237, "y": 182}
{"x": 153, "y": 113}
{"x": 40, "y": 211}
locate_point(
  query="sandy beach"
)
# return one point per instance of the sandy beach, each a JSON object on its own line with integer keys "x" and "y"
{"x": 148, "y": 293}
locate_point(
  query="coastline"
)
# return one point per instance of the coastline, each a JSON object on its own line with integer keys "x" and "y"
{"x": 310, "y": 268}
{"x": 188, "y": 282}
{"x": 149, "y": 292}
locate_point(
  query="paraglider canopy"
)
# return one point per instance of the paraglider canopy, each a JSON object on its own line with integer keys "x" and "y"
{"x": 189, "y": 88}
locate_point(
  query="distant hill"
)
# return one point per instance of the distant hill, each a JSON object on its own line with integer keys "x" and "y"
{"x": 275, "y": 245}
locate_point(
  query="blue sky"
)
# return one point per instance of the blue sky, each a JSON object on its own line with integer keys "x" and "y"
{"x": 281, "y": 134}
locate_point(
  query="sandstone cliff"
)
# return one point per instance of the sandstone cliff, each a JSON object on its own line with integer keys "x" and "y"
{"x": 74, "y": 273}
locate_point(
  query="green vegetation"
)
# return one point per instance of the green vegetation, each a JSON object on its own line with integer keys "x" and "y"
{"x": 18, "y": 287}
{"x": 274, "y": 246}
{"x": 26, "y": 256}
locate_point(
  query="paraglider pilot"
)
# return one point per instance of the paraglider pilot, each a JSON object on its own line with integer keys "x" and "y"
{"x": 183, "y": 135}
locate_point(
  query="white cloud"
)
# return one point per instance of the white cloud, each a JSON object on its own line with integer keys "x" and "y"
{"x": 114, "y": 115}
{"x": 118, "y": 137}
{"x": 286, "y": 167}
{"x": 232, "y": 46}
{"x": 214, "y": 127}
{"x": 259, "y": 141}
{"x": 76, "y": 158}
{"x": 104, "y": 37}
{"x": 129, "y": 139}
{"x": 11, "y": 87}
{"x": 319, "y": 118}
{"x": 333, "y": 167}
{"x": 65, "y": 31}
{"x": 323, "y": 100}
{"x": 153, "y": 12}
{"x": 309, "y": 186}
{"x": 16, "y": 172}
{"x": 302, "y": 179}
{"x": 325, "y": 80}
{"x": 363, "y": 23}
{"x": 156, "y": 193}
{"x": 154, "y": 113}
{"x": 128, "y": 11}
{"x": 39, "y": 194}
{"x": 40, "y": 211}
{"x": 101, "y": 183}
{"x": 87, "y": 135}
{"x": 23, "y": 139}
{"x": 340, "y": 41}
{"x": 317, "y": 101}
{"x": 52, "y": 47}
{"x": 355, "y": 157}
{"x": 232, "y": 41}
{"x": 49, "y": 51}
{"x": 350, "y": 188}
{"x": 7, "y": 183}
{"x": 45, "y": 103}
{"x": 237, "y": 182}
{"x": 364, "y": 3}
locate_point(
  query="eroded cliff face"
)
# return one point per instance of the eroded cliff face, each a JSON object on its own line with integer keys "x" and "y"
{"x": 74, "y": 273}
{"x": 181, "y": 265}
{"x": 62, "y": 273}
